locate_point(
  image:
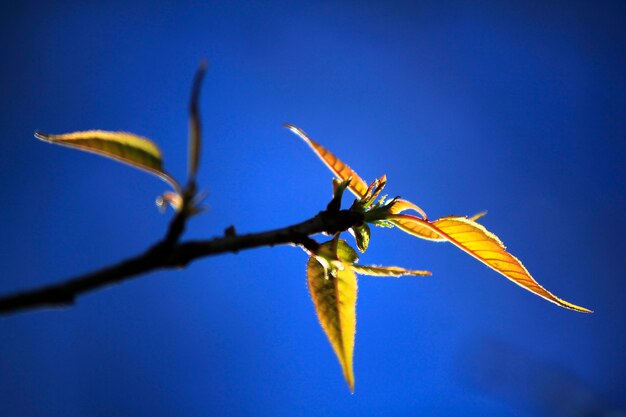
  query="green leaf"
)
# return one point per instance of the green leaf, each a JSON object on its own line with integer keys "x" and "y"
{"x": 334, "y": 294}
{"x": 387, "y": 271}
{"x": 128, "y": 148}
{"x": 345, "y": 253}
{"x": 361, "y": 236}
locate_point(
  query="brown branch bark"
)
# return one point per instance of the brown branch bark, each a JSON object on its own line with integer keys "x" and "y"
{"x": 169, "y": 253}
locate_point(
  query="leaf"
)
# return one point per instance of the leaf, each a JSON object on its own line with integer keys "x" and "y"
{"x": 345, "y": 253}
{"x": 387, "y": 271}
{"x": 334, "y": 294}
{"x": 361, "y": 236}
{"x": 478, "y": 216}
{"x": 373, "y": 190}
{"x": 195, "y": 133}
{"x": 401, "y": 205}
{"x": 128, "y": 148}
{"x": 416, "y": 229}
{"x": 169, "y": 198}
{"x": 341, "y": 170}
{"x": 483, "y": 245}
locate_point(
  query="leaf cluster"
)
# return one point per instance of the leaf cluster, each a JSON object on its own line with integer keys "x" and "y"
{"x": 332, "y": 266}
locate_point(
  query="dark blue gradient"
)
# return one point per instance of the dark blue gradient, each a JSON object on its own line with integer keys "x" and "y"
{"x": 516, "y": 108}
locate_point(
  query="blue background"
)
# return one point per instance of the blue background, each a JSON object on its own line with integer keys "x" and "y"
{"x": 516, "y": 108}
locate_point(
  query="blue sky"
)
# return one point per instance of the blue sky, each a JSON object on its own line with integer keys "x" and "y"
{"x": 516, "y": 108}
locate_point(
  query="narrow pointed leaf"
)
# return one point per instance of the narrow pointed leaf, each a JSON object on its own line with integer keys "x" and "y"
{"x": 483, "y": 245}
{"x": 341, "y": 170}
{"x": 128, "y": 148}
{"x": 195, "y": 133}
{"x": 373, "y": 190}
{"x": 334, "y": 296}
{"x": 387, "y": 271}
{"x": 478, "y": 216}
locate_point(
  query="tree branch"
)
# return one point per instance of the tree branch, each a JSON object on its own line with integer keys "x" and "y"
{"x": 168, "y": 253}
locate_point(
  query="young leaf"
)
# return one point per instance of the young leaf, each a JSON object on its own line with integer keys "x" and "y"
{"x": 483, "y": 245}
{"x": 361, "y": 236}
{"x": 125, "y": 147}
{"x": 401, "y": 205}
{"x": 194, "y": 122}
{"x": 169, "y": 198}
{"x": 387, "y": 271}
{"x": 334, "y": 293}
{"x": 416, "y": 229}
{"x": 478, "y": 216}
{"x": 345, "y": 253}
{"x": 341, "y": 170}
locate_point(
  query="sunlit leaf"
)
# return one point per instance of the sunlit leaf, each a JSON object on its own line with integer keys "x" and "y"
{"x": 125, "y": 147}
{"x": 387, "y": 271}
{"x": 341, "y": 170}
{"x": 483, "y": 245}
{"x": 423, "y": 231}
{"x": 401, "y": 205}
{"x": 373, "y": 190}
{"x": 334, "y": 294}
{"x": 478, "y": 216}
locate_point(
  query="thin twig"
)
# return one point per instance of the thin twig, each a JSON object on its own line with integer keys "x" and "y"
{"x": 168, "y": 253}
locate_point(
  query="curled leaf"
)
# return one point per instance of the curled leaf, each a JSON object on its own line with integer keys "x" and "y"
{"x": 361, "y": 236}
{"x": 194, "y": 122}
{"x": 483, "y": 245}
{"x": 169, "y": 198}
{"x": 128, "y": 148}
{"x": 341, "y": 170}
{"x": 401, "y": 205}
{"x": 334, "y": 294}
{"x": 387, "y": 271}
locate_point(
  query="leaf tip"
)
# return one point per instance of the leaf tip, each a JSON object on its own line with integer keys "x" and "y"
{"x": 478, "y": 215}
{"x": 575, "y": 307}
{"x": 293, "y": 128}
{"x": 41, "y": 136}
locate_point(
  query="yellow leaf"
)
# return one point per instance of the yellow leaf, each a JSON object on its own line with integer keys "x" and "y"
{"x": 423, "y": 231}
{"x": 483, "y": 245}
{"x": 125, "y": 147}
{"x": 341, "y": 170}
{"x": 387, "y": 271}
{"x": 334, "y": 293}
{"x": 401, "y": 205}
